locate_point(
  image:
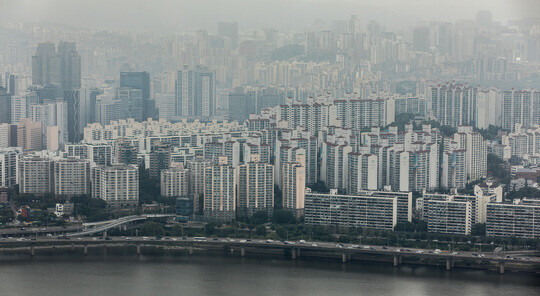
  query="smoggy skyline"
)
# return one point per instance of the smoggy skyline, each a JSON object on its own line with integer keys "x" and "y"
{"x": 188, "y": 15}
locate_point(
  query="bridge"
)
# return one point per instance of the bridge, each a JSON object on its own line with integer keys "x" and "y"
{"x": 294, "y": 249}
{"x": 103, "y": 226}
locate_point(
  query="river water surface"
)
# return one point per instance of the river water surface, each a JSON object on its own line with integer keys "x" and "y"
{"x": 221, "y": 275}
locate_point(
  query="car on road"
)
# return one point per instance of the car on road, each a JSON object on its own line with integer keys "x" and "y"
{"x": 314, "y": 244}
{"x": 243, "y": 241}
{"x": 302, "y": 241}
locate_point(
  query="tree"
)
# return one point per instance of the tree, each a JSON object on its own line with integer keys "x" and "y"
{"x": 259, "y": 217}
{"x": 524, "y": 192}
{"x": 283, "y": 217}
{"x": 152, "y": 228}
{"x": 177, "y": 230}
{"x": 260, "y": 230}
{"x": 281, "y": 232}
{"x": 479, "y": 229}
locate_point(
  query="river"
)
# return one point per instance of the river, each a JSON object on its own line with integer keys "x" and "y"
{"x": 129, "y": 275}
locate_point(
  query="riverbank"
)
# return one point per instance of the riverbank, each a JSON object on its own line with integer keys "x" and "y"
{"x": 348, "y": 254}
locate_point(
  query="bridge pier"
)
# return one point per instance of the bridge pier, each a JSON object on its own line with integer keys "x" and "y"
{"x": 232, "y": 251}
{"x": 105, "y": 234}
{"x": 298, "y": 252}
{"x": 344, "y": 258}
{"x": 396, "y": 260}
{"x": 243, "y": 252}
{"x": 448, "y": 263}
{"x": 501, "y": 267}
{"x": 138, "y": 249}
{"x": 72, "y": 247}
{"x": 191, "y": 250}
{"x": 32, "y": 251}
{"x": 85, "y": 250}
{"x": 293, "y": 254}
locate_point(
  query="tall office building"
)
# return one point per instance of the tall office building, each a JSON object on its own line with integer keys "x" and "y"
{"x": 36, "y": 175}
{"x": 255, "y": 187}
{"x": 70, "y": 66}
{"x": 71, "y": 177}
{"x": 195, "y": 92}
{"x": 230, "y": 32}
{"x": 421, "y": 39}
{"x": 5, "y": 106}
{"x": 70, "y": 79}
{"x": 242, "y": 104}
{"x": 140, "y": 81}
{"x": 132, "y": 103}
{"x": 45, "y": 65}
{"x": 220, "y": 191}
{"x": 118, "y": 185}
{"x": 9, "y": 167}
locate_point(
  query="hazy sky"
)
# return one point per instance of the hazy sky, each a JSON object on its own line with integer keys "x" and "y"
{"x": 182, "y": 15}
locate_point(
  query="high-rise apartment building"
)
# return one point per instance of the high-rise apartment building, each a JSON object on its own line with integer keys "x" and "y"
{"x": 71, "y": 177}
{"x": 220, "y": 191}
{"x": 255, "y": 187}
{"x": 518, "y": 219}
{"x": 376, "y": 212}
{"x": 125, "y": 152}
{"x": 29, "y": 135}
{"x": 453, "y": 104}
{"x": 160, "y": 159}
{"x": 293, "y": 184}
{"x": 363, "y": 172}
{"x": 118, "y": 185}
{"x": 476, "y": 152}
{"x": 36, "y": 175}
{"x": 196, "y": 168}
{"x": 175, "y": 182}
{"x": 520, "y": 107}
{"x": 9, "y": 167}
{"x": 195, "y": 92}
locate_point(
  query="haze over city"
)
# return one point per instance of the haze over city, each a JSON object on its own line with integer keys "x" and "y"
{"x": 257, "y": 147}
{"x": 172, "y": 15}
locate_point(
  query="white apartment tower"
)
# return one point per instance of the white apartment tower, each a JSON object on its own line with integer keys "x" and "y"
{"x": 220, "y": 191}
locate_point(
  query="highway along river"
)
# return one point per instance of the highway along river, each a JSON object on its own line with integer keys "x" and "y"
{"x": 121, "y": 273}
